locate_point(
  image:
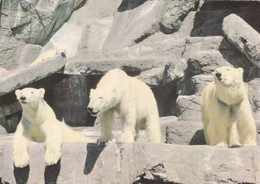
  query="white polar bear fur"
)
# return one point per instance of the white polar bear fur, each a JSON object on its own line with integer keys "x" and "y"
{"x": 132, "y": 99}
{"x": 49, "y": 54}
{"x": 226, "y": 111}
{"x": 39, "y": 124}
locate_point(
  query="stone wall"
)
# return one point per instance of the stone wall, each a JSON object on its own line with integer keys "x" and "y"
{"x": 182, "y": 159}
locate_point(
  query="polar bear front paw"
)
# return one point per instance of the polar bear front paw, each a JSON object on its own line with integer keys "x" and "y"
{"x": 128, "y": 138}
{"x": 21, "y": 160}
{"x": 103, "y": 141}
{"x": 52, "y": 157}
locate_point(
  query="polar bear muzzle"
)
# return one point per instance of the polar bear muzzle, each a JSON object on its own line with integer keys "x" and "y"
{"x": 92, "y": 112}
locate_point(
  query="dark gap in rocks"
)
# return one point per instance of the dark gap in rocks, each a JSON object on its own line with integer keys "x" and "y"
{"x": 208, "y": 21}
{"x": 221, "y": 5}
{"x": 165, "y": 95}
{"x": 143, "y": 37}
{"x": 131, "y": 71}
{"x": 3, "y": 182}
{"x": 156, "y": 175}
{"x": 129, "y": 5}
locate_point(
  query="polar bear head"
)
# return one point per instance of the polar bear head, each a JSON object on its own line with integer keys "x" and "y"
{"x": 229, "y": 85}
{"x": 228, "y": 76}
{"x": 29, "y": 96}
{"x": 102, "y": 100}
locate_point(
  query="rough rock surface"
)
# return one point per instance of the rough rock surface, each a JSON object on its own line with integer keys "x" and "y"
{"x": 19, "y": 78}
{"x": 136, "y": 163}
{"x": 243, "y": 37}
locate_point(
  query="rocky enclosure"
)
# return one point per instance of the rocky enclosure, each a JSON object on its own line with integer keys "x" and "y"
{"x": 172, "y": 45}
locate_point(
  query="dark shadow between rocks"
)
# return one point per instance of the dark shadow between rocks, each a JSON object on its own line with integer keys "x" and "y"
{"x": 129, "y": 5}
{"x": 198, "y": 138}
{"x": 21, "y": 175}
{"x": 51, "y": 173}
{"x": 93, "y": 152}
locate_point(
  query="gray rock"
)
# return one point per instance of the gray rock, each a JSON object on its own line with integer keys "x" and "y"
{"x": 185, "y": 133}
{"x": 15, "y": 55}
{"x": 100, "y": 66}
{"x": 152, "y": 77}
{"x": 243, "y": 37}
{"x": 253, "y": 93}
{"x": 128, "y": 29}
{"x": 136, "y": 163}
{"x": 34, "y": 21}
{"x": 30, "y": 74}
{"x": 2, "y": 130}
{"x": 188, "y": 108}
{"x": 199, "y": 82}
{"x": 196, "y": 44}
{"x": 174, "y": 71}
{"x": 176, "y": 11}
{"x": 205, "y": 62}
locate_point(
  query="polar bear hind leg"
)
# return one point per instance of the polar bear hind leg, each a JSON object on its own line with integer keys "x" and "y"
{"x": 246, "y": 126}
{"x": 153, "y": 129}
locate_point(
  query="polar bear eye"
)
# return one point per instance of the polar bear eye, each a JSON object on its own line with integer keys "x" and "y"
{"x": 100, "y": 97}
{"x": 32, "y": 92}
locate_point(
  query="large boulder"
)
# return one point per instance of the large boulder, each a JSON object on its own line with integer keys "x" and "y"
{"x": 20, "y": 78}
{"x": 243, "y": 37}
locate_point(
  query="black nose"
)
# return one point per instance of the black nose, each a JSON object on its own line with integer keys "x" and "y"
{"x": 218, "y": 75}
{"x": 22, "y": 98}
{"x": 90, "y": 109}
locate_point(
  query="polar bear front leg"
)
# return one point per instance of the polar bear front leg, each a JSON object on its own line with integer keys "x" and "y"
{"x": 106, "y": 120}
{"x": 233, "y": 140}
{"x": 216, "y": 134}
{"x": 20, "y": 144}
{"x": 129, "y": 121}
{"x": 53, "y": 143}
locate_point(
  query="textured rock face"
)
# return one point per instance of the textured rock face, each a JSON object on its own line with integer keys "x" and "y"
{"x": 136, "y": 163}
{"x": 173, "y": 46}
{"x": 34, "y": 21}
{"x": 243, "y": 37}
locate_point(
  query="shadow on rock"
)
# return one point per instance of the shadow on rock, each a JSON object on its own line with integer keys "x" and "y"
{"x": 93, "y": 152}
{"x": 51, "y": 173}
{"x": 21, "y": 174}
{"x": 198, "y": 138}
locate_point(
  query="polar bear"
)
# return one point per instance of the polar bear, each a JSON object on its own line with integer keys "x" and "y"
{"x": 132, "y": 99}
{"x": 49, "y": 54}
{"x": 226, "y": 111}
{"x": 39, "y": 124}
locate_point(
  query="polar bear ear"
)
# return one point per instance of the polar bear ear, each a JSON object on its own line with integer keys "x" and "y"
{"x": 42, "y": 92}
{"x": 240, "y": 70}
{"x": 18, "y": 93}
{"x": 92, "y": 91}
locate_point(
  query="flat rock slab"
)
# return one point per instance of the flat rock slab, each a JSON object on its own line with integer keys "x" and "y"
{"x": 135, "y": 163}
{"x": 243, "y": 37}
{"x": 101, "y": 66}
{"x": 32, "y": 73}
